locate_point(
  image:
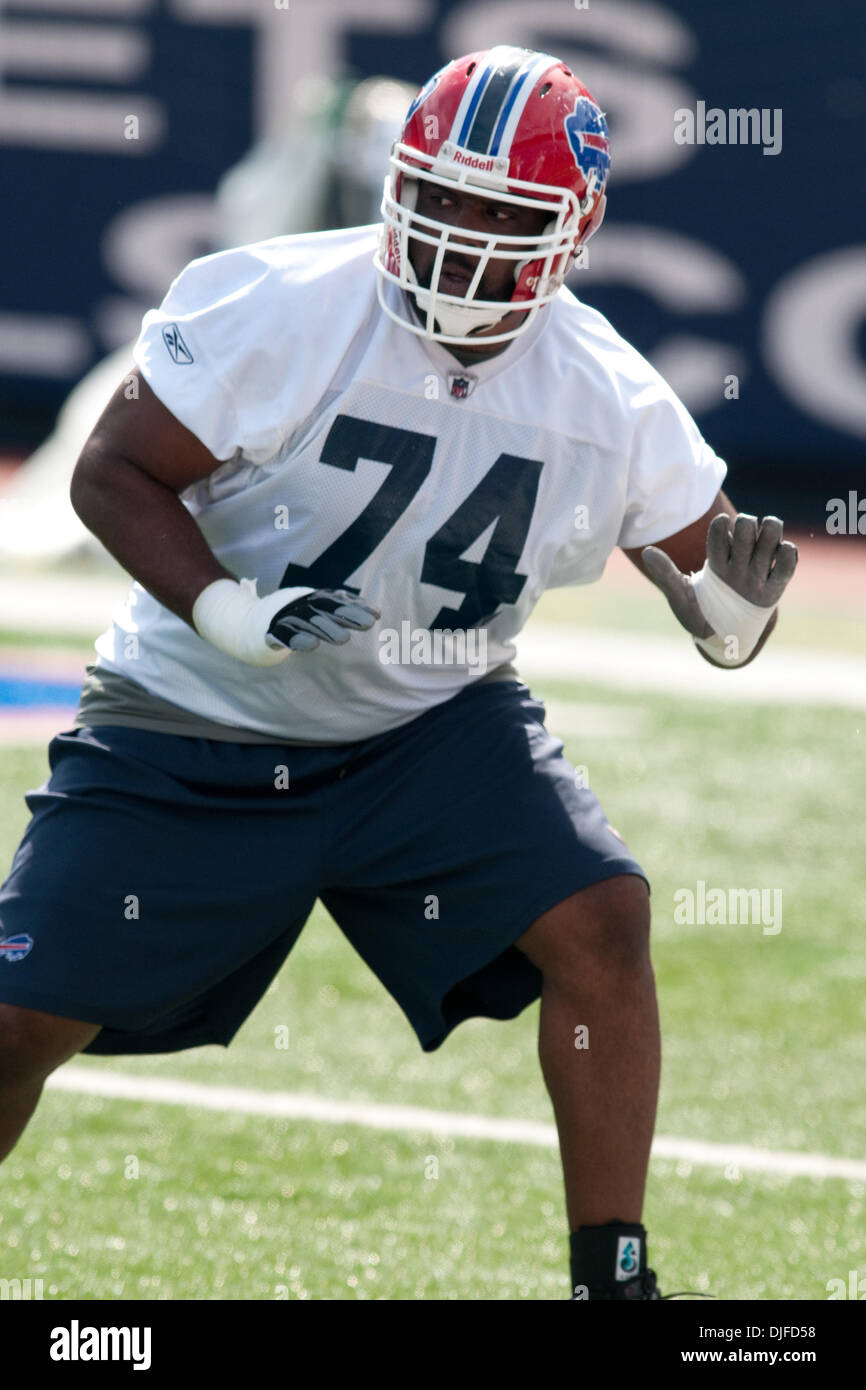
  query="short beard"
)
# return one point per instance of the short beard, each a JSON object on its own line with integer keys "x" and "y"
{"x": 502, "y": 297}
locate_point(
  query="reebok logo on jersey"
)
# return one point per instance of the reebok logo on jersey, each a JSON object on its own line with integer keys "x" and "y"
{"x": 627, "y": 1257}
{"x": 177, "y": 348}
{"x": 14, "y": 948}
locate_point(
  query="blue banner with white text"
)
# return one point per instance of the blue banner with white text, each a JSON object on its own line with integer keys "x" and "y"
{"x": 733, "y": 252}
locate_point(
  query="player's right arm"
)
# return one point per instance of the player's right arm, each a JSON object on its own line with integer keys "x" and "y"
{"x": 125, "y": 488}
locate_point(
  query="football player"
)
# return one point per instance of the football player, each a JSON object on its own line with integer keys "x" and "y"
{"x": 335, "y": 447}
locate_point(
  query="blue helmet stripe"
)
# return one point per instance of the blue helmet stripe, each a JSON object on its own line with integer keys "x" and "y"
{"x": 495, "y": 93}
{"x": 506, "y": 111}
{"x": 473, "y": 106}
{"x": 527, "y": 79}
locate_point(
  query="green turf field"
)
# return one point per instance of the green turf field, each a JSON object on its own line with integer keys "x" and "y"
{"x": 763, "y": 1045}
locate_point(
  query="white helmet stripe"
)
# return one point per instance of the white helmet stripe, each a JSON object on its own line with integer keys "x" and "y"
{"x": 515, "y": 104}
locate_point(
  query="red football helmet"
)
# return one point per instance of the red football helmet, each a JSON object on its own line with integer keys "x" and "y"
{"x": 514, "y": 126}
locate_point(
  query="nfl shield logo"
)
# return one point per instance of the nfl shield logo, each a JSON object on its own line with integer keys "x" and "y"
{"x": 460, "y": 386}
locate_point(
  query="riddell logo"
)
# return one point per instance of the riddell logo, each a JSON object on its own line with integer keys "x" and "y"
{"x": 473, "y": 161}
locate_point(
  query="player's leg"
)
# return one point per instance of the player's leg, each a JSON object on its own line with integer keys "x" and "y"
{"x": 159, "y": 886}
{"x": 32, "y": 1045}
{"x": 599, "y": 1044}
{"x": 491, "y": 879}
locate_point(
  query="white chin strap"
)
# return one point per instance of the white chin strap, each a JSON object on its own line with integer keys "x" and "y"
{"x": 455, "y": 320}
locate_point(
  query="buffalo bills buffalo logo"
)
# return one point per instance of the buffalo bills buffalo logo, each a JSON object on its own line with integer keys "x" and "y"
{"x": 14, "y": 948}
{"x": 586, "y": 129}
{"x": 426, "y": 91}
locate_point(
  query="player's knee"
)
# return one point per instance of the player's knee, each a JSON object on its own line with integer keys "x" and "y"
{"x": 613, "y": 933}
{"x": 33, "y": 1043}
{"x": 605, "y": 927}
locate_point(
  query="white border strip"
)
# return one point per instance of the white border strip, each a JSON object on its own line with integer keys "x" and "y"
{"x": 158, "y": 1090}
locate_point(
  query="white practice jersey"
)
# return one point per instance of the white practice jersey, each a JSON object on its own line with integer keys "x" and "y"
{"x": 358, "y": 455}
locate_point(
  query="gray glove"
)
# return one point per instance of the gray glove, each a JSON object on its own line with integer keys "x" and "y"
{"x": 324, "y": 615}
{"x": 751, "y": 559}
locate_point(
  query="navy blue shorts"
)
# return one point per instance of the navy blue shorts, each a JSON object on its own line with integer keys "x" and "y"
{"x": 164, "y": 880}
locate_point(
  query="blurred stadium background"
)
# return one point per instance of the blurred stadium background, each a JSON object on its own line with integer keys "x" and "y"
{"x": 135, "y": 135}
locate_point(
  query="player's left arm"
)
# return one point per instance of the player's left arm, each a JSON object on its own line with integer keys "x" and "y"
{"x": 723, "y": 577}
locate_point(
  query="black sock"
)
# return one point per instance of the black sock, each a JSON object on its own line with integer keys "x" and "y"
{"x": 606, "y": 1256}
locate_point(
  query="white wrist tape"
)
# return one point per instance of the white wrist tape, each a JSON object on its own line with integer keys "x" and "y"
{"x": 232, "y": 617}
{"x": 738, "y": 624}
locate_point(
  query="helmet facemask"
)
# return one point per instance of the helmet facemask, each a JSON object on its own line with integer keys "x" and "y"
{"x": 541, "y": 261}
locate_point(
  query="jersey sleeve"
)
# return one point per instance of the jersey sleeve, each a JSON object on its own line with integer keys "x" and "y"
{"x": 673, "y": 474}
{"x": 203, "y": 352}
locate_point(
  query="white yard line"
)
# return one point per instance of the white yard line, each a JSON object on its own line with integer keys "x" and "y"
{"x": 739, "y": 1157}
{"x": 632, "y": 662}
{"x": 71, "y": 602}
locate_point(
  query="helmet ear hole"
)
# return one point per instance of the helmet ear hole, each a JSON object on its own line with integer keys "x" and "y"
{"x": 595, "y": 221}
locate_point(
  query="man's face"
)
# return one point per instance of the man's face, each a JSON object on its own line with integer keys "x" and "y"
{"x": 471, "y": 213}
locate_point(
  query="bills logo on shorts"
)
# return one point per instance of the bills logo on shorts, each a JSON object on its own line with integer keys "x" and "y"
{"x": 14, "y": 948}
{"x": 586, "y": 129}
